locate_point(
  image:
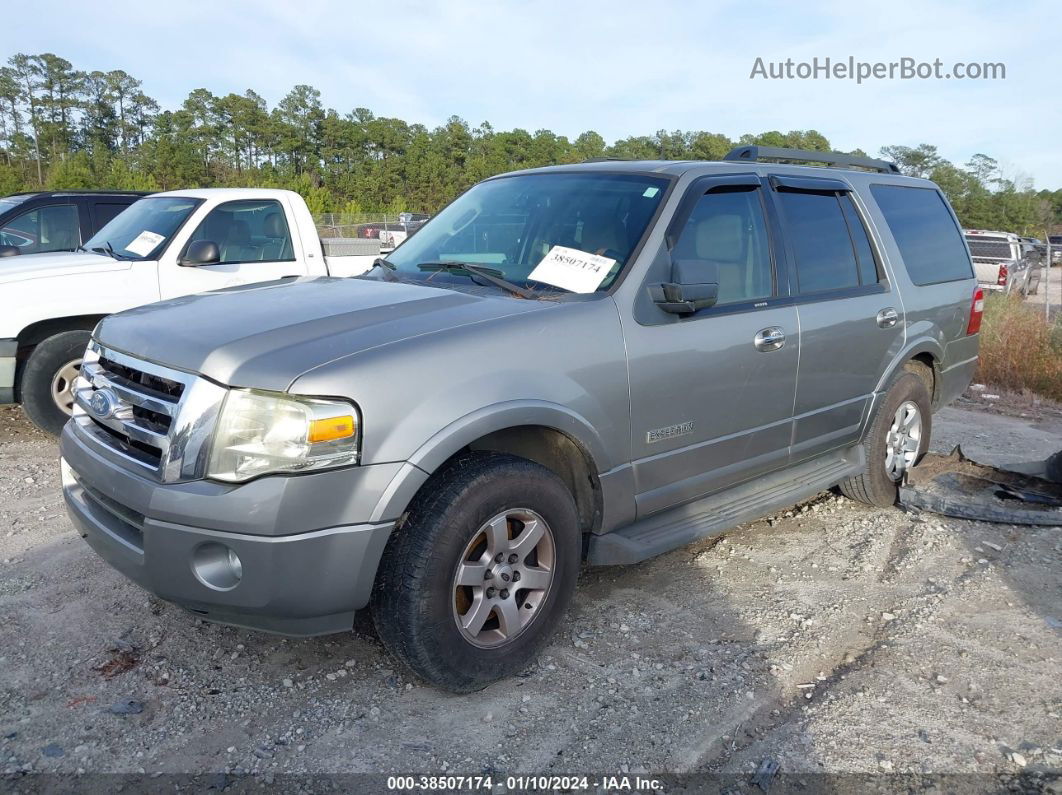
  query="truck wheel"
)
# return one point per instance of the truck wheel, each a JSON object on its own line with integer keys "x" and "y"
{"x": 897, "y": 439}
{"x": 479, "y": 576}
{"x": 47, "y": 386}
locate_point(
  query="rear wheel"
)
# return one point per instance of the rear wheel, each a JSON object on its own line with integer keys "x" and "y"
{"x": 897, "y": 439}
{"x": 47, "y": 385}
{"x": 479, "y": 576}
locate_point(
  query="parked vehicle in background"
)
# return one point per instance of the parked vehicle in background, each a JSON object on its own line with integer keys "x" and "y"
{"x": 49, "y": 221}
{"x": 610, "y": 359}
{"x": 1056, "y": 249}
{"x": 392, "y": 234}
{"x": 1002, "y": 261}
{"x": 161, "y": 246}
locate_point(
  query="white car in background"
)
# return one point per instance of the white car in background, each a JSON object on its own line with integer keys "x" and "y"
{"x": 162, "y": 246}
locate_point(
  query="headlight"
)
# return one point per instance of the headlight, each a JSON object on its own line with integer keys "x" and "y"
{"x": 266, "y": 432}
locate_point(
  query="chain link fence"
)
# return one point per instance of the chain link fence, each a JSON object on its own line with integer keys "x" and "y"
{"x": 361, "y": 234}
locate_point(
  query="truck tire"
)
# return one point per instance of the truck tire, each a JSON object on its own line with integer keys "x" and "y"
{"x": 478, "y": 577}
{"x": 47, "y": 381}
{"x": 897, "y": 439}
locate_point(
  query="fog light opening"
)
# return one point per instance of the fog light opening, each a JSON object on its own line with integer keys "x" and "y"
{"x": 217, "y": 566}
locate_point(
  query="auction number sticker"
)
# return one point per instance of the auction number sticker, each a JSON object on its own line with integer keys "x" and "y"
{"x": 572, "y": 269}
{"x": 144, "y": 243}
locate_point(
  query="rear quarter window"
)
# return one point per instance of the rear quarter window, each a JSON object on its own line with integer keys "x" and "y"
{"x": 925, "y": 232}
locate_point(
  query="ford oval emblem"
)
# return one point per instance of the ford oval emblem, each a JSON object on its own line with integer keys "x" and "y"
{"x": 103, "y": 403}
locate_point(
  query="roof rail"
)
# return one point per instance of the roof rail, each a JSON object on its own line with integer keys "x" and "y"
{"x": 757, "y": 153}
{"x": 605, "y": 159}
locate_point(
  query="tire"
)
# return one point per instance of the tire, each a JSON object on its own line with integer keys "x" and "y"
{"x": 51, "y": 363}
{"x": 417, "y": 602}
{"x": 876, "y": 486}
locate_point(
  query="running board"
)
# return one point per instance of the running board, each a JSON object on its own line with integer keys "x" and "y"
{"x": 711, "y": 515}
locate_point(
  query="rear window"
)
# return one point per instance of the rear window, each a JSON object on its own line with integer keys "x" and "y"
{"x": 925, "y": 232}
{"x": 989, "y": 247}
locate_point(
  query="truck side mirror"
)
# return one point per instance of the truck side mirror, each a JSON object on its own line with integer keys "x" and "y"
{"x": 201, "y": 252}
{"x": 694, "y": 285}
{"x": 9, "y": 251}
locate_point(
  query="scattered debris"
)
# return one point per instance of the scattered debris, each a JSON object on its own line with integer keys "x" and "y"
{"x": 954, "y": 485}
{"x": 765, "y": 773}
{"x": 127, "y": 706}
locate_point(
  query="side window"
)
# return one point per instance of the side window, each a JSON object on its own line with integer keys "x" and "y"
{"x": 248, "y": 231}
{"x": 106, "y": 211}
{"x": 868, "y": 265}
{"x": 727, "y": 229}
{"x": 51, "y": 228}
{"x": 822, "y": 244}
{"x": 925, "y": 233}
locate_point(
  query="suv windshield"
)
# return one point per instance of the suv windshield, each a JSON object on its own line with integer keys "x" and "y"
{"x": 990, "y": 247}
{"x": 142, "y": 230}
{"x": 509, "y": 224}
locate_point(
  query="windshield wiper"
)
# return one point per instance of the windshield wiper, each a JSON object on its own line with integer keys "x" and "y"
{"x": 107, "y": 249}
{"x": 492, "y": 275}
{"x": 387, "y": 267}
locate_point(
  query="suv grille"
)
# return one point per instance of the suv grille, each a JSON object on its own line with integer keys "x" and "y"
{"x": 156, "y": 417}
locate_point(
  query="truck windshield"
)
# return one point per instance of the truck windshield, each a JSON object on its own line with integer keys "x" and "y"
{"x": 143, "y": 229}
{"x": 509, "y": 225}
{"x": 990, "y": 247}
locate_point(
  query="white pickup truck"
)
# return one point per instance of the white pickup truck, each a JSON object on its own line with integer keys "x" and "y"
{"x": 162, "y": 246}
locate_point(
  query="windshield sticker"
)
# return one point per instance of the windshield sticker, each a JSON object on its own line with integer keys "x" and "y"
{"x": 145, "y": 243}
{"x": 650, "y": 192}
{"x": 572, "y": 269}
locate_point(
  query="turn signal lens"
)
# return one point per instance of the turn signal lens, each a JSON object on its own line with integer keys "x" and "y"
{"x": 330, "y": 429}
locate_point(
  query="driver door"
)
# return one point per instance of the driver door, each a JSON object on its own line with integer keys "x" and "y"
{"x": 255, "y": 243}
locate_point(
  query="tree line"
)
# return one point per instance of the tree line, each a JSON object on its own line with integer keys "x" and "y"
{"x": 64, "y": 128}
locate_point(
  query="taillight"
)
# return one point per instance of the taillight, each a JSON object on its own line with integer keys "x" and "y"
{"x": 1002, "y": 280}
{"x": 977, "y": 309}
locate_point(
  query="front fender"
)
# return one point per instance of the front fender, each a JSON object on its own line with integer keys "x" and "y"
{"x": 446, "y": 442}
{"x": 510, "y": 414}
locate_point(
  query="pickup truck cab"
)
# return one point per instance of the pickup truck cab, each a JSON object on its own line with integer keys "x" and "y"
{"x": 160, "y": 247}
{"x": 46, "y": 221}
{"x": 601, "y": 362}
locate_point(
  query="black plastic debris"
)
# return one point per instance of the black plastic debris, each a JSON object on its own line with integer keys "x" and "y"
{"x": 954, "y": 485}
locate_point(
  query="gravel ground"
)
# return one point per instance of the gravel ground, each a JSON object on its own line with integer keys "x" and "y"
{"x": 831, "y": 638}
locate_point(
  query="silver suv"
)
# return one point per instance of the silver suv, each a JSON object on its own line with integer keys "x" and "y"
{"x": 597, "y": 362}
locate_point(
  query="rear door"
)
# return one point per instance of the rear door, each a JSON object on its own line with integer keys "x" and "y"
{"x": 256, "y": 243}
{"x": 711, "y": 398}
{"x": 851, "y": 319}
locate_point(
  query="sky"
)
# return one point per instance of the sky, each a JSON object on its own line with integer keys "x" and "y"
{"x": 620, "y": 68}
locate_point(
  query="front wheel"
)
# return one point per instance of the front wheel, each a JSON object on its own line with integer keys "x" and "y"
{"x": 897, "y": 439}
{"x": 47, "y": 385}
{"x": 479, "y": 576}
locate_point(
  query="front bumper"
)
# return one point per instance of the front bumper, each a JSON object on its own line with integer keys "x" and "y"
{"x": 306, "y": 582}
{"x": 8, "y": 351}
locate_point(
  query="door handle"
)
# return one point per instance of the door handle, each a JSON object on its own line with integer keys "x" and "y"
{"x": 769, "y": 339}
{"x": 887, "y": 317}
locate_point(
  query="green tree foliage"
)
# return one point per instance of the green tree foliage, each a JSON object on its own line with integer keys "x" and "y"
{"x": 61, "y": 127}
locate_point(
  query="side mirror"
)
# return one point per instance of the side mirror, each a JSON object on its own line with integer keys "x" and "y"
{"x": 201, "y": 252}
{"x": 9, "y": 251}
{"x": 694, "y": 285}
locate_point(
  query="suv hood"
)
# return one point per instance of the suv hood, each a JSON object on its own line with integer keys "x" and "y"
{"x": 266, "y": 335}
{"x": 39, "y": 266}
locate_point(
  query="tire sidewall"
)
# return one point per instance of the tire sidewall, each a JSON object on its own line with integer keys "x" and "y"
{"x": 36, "y": 382}
{"x": 908, "y": 386}
{"x": 511, "y": 484}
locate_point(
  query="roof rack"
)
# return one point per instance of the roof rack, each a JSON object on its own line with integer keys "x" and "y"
{"x": 605, "y": 159}
{"x": 757, "y": 153}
